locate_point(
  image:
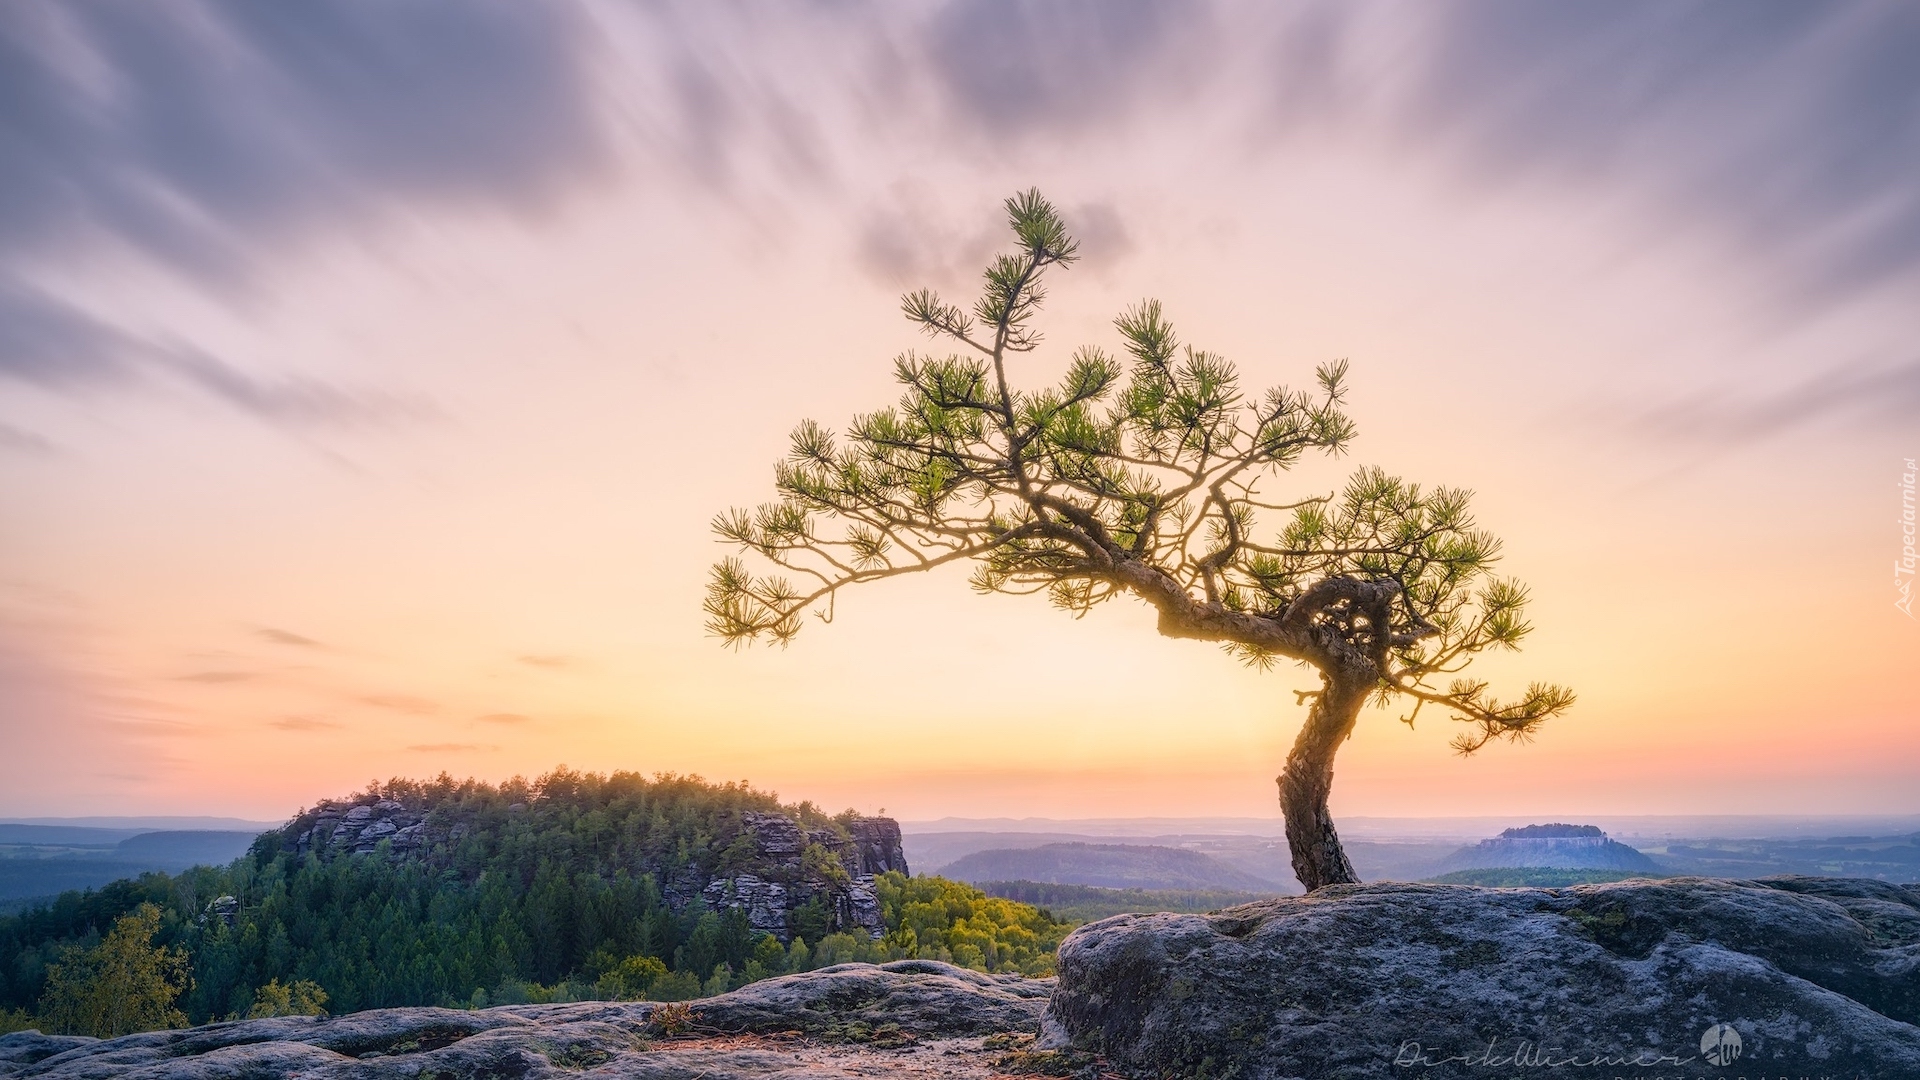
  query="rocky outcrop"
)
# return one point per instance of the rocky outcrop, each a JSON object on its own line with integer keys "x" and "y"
{"x": 337, "y": 828}
{"x": 1810, "y": 976}
{"x": 876, "y": 845}
{"x": 1570, "y": 847}
{"x": 778, "y": 880}
{"x": 783, "y": 879}
{"x": 912, "y": 1018}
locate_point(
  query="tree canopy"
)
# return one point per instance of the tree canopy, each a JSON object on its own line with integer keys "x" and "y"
{"x": 1148, "y": 476}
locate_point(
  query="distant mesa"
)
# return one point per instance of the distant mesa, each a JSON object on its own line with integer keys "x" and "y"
{"x": 1551, "y": 846}
{"x": 1547, "y": 832}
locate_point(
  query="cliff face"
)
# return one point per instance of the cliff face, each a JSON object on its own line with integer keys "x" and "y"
{"x": 773, "y": 867}
{"x": 782, "y": 880}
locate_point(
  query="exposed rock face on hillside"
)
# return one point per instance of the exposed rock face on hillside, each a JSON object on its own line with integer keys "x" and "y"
{"x": 1817, "y": 976}
{"x": 775, "y": 881}
{"x": 780, "y": 880}
{"x": 912, "y": 1018}
{"x": 1573, "y": 847}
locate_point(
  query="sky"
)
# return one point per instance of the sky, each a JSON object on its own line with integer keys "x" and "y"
{"x": 370, "y": 374}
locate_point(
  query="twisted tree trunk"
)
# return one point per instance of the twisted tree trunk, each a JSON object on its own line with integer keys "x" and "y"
{"x": 1318, "y": 858}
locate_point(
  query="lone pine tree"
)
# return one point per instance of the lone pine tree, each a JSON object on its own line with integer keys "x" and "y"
{"x": 1144, "y": 478}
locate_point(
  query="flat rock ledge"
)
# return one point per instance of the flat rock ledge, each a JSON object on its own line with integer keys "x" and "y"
{"x": 1814, "y": 977}
{"x": 912, "y": 1018}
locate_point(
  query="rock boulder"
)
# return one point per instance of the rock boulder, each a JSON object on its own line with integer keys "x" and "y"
{"x": 1809, "y": 976}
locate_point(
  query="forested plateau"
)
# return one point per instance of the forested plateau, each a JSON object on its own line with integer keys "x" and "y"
{"x": 570, "y": 887}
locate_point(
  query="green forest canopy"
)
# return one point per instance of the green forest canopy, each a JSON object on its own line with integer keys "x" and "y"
{"x": 525, "y": 906}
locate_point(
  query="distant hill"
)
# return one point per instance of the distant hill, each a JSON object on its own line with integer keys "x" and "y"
{"x": 1888, "y": 858}
{"x": 1567, "y": 847}
{"x": 12, "y": 832}
{"x": 1113, "y": 866}
{"x": 40, "y": 861}
{"x": 187, "y": 847}
{"x": 149, "y": 823}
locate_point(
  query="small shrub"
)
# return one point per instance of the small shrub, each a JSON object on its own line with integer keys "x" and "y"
{"x": 1073, "y": 1063}
{"x": 674, "y": 1018}
{"x": 302, "y": 998}
{"x": 885, "y": 1036}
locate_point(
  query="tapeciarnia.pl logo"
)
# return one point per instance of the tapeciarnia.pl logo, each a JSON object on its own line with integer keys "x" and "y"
{"x": 1904, "y": 565}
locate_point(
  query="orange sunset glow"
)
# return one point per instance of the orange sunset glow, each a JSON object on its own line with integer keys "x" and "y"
{"x": 364, "y": 410}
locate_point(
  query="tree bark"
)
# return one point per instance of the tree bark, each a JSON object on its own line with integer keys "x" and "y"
{"x": 1318, "y": 858}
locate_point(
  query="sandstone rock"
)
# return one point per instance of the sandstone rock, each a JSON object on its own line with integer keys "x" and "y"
{"x": 877, "y": 845}
{"x": 1817, "y": 976}
{"x": 409, "y": 838}
{"x": 818, "y": 1025}
{"x": 923, "y": 997}
{"x": 224, "y": 908}
{"x": 27, "y": 1047}
{"x": 862, "y": 907}
{"x": 782, "y": 882}
{"x": 765, "y": 901}
{"x": 779, "y": 838}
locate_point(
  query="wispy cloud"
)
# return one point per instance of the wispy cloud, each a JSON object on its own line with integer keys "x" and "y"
{"x": 287, "y": 637}
{"x": 154, "y": 727}
{"x": 15, "y": 440}
{"x": 49, "y": 342}
{"x": 305, "y": 723}
{"x": 1864, "y": 393}
{"x": 1789, "y": 125}
{"x": 550, "y": 662}
{"x": 219, "y": 676}
{"x": 1020, "y": 67}
{"x": 402, "y": 703}
{"x": 504, "y": 718}
{"x": 208, "y": 136}
{"x": 289, "y": 400}
{"x": 1785, "y": 128}
{"x": 201, "y": 132}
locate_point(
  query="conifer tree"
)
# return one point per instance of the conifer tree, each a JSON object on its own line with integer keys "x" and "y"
{"x": 1145, "y": 477}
